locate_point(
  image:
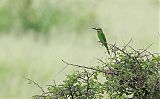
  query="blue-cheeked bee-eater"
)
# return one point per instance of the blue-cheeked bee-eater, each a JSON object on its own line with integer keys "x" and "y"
{"x": 102, "y": 38}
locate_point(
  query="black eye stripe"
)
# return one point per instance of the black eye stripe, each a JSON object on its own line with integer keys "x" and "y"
{"x": 98, "y": 29}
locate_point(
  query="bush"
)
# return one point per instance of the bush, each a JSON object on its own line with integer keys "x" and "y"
{"x": 127, "y": 73}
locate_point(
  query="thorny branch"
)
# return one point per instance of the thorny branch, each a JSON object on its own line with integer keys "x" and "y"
{"x": 82, "y": 66}
{"x": 31, "y": 81}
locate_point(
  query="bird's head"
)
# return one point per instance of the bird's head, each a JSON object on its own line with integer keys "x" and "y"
{"x": 98, "y": 29}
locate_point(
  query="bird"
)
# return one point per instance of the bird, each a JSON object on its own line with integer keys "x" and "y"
{"x": 102, "y": 38}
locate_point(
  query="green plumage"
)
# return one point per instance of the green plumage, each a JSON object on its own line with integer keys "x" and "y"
{"x": 102, "y": 38}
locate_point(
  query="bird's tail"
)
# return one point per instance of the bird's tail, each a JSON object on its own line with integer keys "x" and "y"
{"x": 107, "y": 48}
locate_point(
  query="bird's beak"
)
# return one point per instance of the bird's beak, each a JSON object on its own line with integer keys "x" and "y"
{"x": 94, "y": 28}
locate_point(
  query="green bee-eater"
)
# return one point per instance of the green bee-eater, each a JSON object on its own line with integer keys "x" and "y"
{"x": 102, "y": 38}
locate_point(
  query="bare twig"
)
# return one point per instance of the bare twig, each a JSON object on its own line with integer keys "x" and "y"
{"x": 114, "y": 49}
{"x": 31, "y": 81}
{"x": 60, "y": 71}
{"x": 111, "y": 71}
{"x": 82, "y": 66}
{"x": 134, "y": 49}
{"x": 145, "y": 49}
{"x": 100, "y": 60}
{"x": 127, "y": 44}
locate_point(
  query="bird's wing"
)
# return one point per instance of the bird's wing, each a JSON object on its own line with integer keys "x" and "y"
{"x": 102, "y": 36}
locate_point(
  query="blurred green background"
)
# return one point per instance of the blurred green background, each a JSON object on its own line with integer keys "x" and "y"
{"x": 36, "y": 34}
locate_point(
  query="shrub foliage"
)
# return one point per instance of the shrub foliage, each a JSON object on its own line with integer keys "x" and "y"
{"x": 127, "y": 73}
